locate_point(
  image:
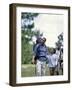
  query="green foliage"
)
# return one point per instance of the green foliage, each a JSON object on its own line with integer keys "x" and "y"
{"x": 27, "y": 20}
{"x": 26, "y": 36}
{"x": 26, "y": 53}
{"x": 29, "y": 15}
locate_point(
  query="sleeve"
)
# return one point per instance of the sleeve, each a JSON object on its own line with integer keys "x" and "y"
{"x": 46, "y": 50}
{"x": 35, "y": 50}
{"x": 48, "y": 58}
{"x": 57, "y": 59}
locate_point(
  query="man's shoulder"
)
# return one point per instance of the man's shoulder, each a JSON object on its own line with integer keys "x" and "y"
{"x": 37, "y": 46}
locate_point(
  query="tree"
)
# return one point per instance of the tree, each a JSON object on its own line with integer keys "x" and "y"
{"x": 27, "y": 24}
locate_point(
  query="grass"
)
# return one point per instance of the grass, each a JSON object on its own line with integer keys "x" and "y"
{"x": 28, "y": 70}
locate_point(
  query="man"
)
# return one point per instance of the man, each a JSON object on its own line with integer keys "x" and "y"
{"x": 53, "y": 62}
{"x": 41, "y": 52}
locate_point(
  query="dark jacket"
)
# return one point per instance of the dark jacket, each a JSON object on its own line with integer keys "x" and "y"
{"x": 41, "y": 51}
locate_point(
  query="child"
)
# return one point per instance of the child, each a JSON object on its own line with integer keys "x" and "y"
{"x": 53, "y": 62}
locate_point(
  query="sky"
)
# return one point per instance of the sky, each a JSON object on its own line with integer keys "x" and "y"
{"x": 51, "y": 26}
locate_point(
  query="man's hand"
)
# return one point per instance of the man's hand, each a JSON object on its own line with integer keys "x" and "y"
{"x": 33, "y": 61}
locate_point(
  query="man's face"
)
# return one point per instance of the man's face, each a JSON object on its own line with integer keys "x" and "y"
{"x": 42, "y": 41}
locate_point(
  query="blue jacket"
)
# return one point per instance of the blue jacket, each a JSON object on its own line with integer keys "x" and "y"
{"x": 41, "y": 51}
